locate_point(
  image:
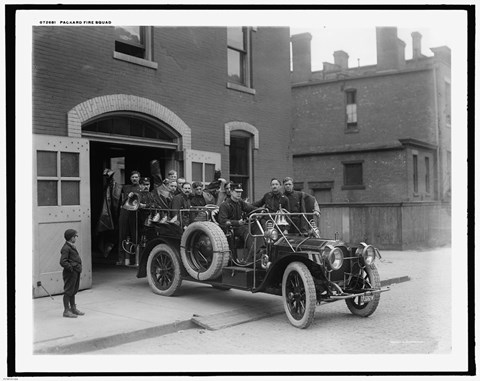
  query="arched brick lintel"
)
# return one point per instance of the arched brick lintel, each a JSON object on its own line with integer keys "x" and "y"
{"x": 122, "y": 102}
{"x": 230, "y": 126}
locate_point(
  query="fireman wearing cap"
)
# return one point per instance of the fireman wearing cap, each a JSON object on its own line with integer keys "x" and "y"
{"x": 231, "y": 215}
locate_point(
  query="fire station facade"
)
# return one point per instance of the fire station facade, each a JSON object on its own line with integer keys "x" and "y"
{"x": 373, "y": 143}
{"x": 195, "y": 99}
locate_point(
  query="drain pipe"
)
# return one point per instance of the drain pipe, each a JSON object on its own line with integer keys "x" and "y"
{"x": 437, "y": 135}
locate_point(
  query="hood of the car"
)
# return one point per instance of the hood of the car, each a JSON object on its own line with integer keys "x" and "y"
{"x": 307, "y": 243}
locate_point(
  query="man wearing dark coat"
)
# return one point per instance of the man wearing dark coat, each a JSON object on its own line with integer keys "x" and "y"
{"x": 182, "y": 201}
{"x": 300, "y": 202}
{"x": 273, "y": 200}
{"x": 128, "y": 219}
{"x": 232, "y": 213}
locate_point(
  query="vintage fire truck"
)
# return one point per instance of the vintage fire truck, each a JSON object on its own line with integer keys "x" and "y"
{"x": 290, "y": 259}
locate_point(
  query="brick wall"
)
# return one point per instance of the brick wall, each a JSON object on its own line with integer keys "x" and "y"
{"x": 384, "y": 175}
{"x": 74, "y": 64}
{"x": 389, "y": 107}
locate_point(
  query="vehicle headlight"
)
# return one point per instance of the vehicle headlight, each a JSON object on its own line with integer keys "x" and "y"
{"x": 270, "y": 232}
{"x": 367, "y": 252}
{"x": 265, "y": 261}
{"x": 334, "y": 257}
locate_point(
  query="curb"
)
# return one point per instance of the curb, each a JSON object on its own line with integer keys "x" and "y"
{"x": 210, "y": 322}
{"x": 117, "y": 339}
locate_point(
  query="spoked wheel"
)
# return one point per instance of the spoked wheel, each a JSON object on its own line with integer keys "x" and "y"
{"x": 367, "y": 279}
{"x": 204, "y": 250}
{"x": 299, "y": 296}
{"x": 163, "y": 270}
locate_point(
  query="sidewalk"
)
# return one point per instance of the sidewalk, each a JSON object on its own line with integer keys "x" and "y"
{"x": 121, "y": 308}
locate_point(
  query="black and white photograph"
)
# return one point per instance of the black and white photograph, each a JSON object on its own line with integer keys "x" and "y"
{"x": 230, "y": 192}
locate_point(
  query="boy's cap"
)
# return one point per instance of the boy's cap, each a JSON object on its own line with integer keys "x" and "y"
{"x": 69, "y": 233}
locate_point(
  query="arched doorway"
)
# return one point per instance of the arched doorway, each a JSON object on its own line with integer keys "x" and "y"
{"x": 122, "y": 142}
{"x": 126, "y": 132}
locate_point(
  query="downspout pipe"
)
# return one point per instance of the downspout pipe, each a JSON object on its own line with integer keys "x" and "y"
{"x": 437, "y": 135}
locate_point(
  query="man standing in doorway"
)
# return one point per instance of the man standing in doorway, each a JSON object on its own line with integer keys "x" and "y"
{"x": 128, "y": 218}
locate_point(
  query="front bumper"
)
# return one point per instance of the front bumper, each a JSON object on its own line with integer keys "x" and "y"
{"x": 366, "y": 294}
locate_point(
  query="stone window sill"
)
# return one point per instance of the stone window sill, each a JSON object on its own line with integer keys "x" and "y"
{"x": 243, "y": 89}
{"x": 350, "y": 187}
{"x": 135, "y": 60}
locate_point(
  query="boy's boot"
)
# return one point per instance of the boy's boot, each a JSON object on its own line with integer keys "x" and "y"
{"x": 77, "y": 312}
{"x": 67, "y": 313}
{"x": 74, "y": 307}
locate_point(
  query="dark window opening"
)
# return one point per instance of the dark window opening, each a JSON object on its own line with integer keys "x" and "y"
{"x": 353, "y": 175}
{"x": 415, "y": 173}
{"x": 427, "y": 175}
{"x": 239, "y": 162}
{"x": 130, "y": 40}
{"x": 128, "y": 126}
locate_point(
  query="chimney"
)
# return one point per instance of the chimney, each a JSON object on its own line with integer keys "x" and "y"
{"x": 341, "y": 59}
{"x": 443, "y": 53}
{"x": 416, "y": 45}
{"x": 390, "y": 49}
{"x": 301, "y": 57}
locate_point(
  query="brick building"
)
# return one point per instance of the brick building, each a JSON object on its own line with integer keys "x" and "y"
{"x": 196, "y": 99}
{"x": 373, "y": 134}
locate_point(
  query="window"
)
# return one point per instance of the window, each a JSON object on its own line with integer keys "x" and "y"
{"x": 130, "y": 40}
{"x": 448, "y": 103}
{"x": 351, "y": 109}
{"x": 58, "y": 178}
{"x": 134, "y": 44}
{"x": 203, "y": 172}
{"x": 129, "y": 125}
{"x": 239, "y": 63}
{"x": 353, "y": 175}
{"x": 240, "y": 161}
{"x": 427, "y": 175}
{"x": 201, "y": 165}
{"x": 415, "y": 173}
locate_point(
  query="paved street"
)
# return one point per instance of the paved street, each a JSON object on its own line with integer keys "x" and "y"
{"x": 414, "y": 317}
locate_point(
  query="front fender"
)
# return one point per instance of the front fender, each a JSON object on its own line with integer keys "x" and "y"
{"x": 273, "y": 278}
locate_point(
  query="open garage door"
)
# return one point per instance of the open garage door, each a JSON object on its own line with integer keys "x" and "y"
{"x": 61, "y": 200}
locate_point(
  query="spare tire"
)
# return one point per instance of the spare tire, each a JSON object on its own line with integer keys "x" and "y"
{"x": 204, "y": 250}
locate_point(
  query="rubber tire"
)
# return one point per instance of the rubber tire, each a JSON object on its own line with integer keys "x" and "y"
{"x": 310, "y": 294}
{"x": 163, "y": 255}
{"x": 221, "y": 254}
{"x": 368, "y": 308}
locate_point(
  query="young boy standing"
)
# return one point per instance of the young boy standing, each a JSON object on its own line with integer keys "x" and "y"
{"x": 72, "y": 267}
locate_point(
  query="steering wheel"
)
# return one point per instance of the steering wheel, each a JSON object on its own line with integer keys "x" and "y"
{"x": 214, "y": 209}
{"x": 258, "y": 210}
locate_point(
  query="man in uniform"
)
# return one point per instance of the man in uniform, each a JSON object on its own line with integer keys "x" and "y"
{"x": 181, "y": 201}
{"x": 299, "y": 202}
{"x": 231, "y": 214}
{"x": 128, "y": 219}
{"x": 273, "y": 200}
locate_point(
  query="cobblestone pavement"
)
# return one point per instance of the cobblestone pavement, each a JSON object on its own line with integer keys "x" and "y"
{"x": 414, "y": 317}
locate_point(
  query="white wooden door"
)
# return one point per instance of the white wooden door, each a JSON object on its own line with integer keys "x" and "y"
{"x": 61, "y": 200}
